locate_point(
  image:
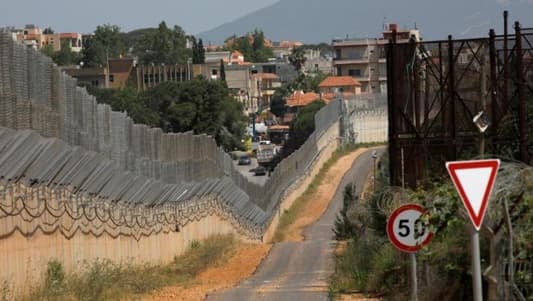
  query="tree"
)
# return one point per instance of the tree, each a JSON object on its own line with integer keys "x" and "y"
{"x": 164, "y": 46}
{"x": 48, "y": 50}
{"x": 198, "y": 51}
{"x": 106, "y": 42}
{"x": 303, "y": 82}
{"x": 194, "y": 46}
{"x": 297, "y": 58}
{"x": 201, "y": 106}
{"x": 48, "y": 30}
{"x": 127, "y": 100}
{"x": 344, "y": 229}
{"x": 201, "y": 52}
{"x": 260, "y": 52}
{"x": 65, "y": 56}
{"x": 277, "y": 105}
{"x": 251, "y": 45}
{"x": 301, "y": 127}
{"x": 222, "y": 71}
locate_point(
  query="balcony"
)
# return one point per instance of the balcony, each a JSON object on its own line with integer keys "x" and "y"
{"x": 350, "y": 61}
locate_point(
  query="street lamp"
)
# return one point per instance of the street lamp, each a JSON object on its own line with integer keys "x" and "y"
{"x": 374, "y": 158}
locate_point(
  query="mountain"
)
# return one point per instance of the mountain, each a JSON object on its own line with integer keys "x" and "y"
{"x": 315, "y": 21}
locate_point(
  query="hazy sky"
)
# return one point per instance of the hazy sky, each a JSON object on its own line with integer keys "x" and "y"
{"x": 83, "y": 16}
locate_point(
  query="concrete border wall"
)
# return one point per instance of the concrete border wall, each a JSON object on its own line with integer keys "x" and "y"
{"x": 79, "y": 181}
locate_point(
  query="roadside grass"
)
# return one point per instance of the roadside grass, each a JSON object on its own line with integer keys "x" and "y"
{"x": 290, "y": 215}
{"x": 104, "y": 280}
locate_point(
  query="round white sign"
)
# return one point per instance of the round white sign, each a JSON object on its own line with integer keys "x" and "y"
{"x": 406, "y": 230}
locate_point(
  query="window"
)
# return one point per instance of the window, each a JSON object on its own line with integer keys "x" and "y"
{"x": 354, "y": 72}
{"x": 214, "y": 72}
{"x": 111, "y": 78}
{"x": 95, "y": 83}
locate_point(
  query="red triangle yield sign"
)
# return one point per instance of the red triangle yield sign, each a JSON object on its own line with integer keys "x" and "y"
{"x": 474, "y": 181}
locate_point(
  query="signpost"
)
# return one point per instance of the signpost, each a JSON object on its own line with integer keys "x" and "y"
{"x": 474, "y": 181}
{"x": 409, "y": 233}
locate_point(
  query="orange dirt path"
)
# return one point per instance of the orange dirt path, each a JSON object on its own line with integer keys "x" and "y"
{"x": 247, "y": 257}
{"x": 320, "y": 200}
{"x": 239, "y": 267}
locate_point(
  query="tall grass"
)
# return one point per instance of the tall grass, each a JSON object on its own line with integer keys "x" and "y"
{"x": 105, "y": 280}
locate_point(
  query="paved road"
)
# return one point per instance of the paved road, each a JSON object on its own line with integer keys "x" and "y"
{"x": 245, "y": 170}
{"x": 300, "y": 270}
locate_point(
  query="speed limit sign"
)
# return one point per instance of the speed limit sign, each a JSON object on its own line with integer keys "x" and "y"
{"x": 406, "y": 230}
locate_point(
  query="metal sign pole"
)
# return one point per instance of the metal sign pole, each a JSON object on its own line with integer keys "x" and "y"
{"x": 476, "y": 267}
{"x": 414, "y": 281}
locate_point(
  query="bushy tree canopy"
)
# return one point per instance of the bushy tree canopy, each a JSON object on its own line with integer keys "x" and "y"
{"x": 251, "y": 45}
{"x": 163, "y": 46}
{"x": 106, "y": 42}
{"x": 200, "y": 105}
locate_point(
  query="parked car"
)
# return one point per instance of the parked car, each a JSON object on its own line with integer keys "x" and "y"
{"x": 245, "y": 160}
{"x": 260, "y": 171}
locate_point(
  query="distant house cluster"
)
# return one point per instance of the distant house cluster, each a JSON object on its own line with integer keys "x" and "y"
{"x": 356, "y": 66}
{"x": 34, "y": 37}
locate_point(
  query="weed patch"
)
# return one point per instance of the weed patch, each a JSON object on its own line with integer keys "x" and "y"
{"x": 105, "y": 280}
{"x": 290, "y": 215}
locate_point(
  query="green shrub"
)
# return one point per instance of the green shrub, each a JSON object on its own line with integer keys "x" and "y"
{"x": 105, "y": 280}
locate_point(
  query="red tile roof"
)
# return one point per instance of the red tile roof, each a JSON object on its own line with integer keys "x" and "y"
{"x": 339, "y": 81}
{"x": 300, "y": 99}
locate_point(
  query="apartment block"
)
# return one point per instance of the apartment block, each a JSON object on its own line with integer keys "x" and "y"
{"x": 365, "y": 59}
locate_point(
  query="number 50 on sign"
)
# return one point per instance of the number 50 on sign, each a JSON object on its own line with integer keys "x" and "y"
{"x": 406, "y": 230}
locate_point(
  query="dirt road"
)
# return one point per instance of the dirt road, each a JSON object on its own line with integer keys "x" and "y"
{"x": 300, "y": 270}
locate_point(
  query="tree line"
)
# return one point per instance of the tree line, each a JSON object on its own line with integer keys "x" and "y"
{"x": 161, "y": 45}
{"x": 200, "y": 105}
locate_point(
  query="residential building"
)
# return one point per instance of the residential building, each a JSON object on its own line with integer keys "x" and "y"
{"x": 285, "y": 71}
{"x": 244, "y": 87}
{"x": 332, "y": 86}
{"x": 120, "y": 71}
{"x": 214, "y": 57}
{"x": 267, "y": 83}
{"x": 33, "y": 36}
{"x": 95, "y": 77}
{"x": 317, "y": 61}
{"x": 278, "y": 134}
{"x": 283, "y": 49}
{"x": 74, "y": 40}
{"x": 148, "y": 76}
{"x": 365, "y": 59}
{"x": 295, "y": 102}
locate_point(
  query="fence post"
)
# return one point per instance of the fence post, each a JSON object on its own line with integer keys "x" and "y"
{"x": 522, "y": 106}
{"x": 391, "y": 99}
{"x": 493, "y": 86}
{"x": 451, "y": 100}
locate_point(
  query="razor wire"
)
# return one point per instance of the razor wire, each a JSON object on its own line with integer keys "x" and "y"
{"x": 35, "y": 94}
